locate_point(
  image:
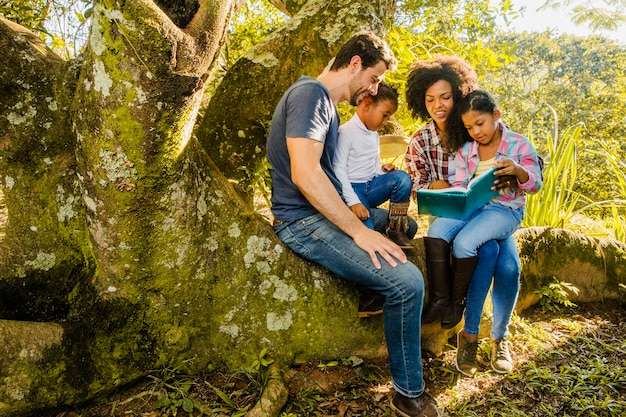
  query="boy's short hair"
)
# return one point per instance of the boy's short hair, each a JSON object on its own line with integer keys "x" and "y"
{"x": 369, "y": 47}
{"x": 386, "y": 92}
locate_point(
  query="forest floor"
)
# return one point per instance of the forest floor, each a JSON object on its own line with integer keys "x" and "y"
{"x": 569, "y": 361}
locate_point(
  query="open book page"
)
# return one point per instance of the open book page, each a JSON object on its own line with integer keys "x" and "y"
{"x": 484, "y": 181}
{"x": 457, "y": 202}
{"x": 458, "y": 190}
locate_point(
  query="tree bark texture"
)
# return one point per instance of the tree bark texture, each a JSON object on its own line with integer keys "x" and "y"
{"x": 126, "y": 249}
{"x": 234, "y": 128}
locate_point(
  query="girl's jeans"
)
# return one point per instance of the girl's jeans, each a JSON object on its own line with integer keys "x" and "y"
{"x": 498, "y": 260}
{"x": 317, "y": 239}
{"x": 394, "y": 186}
{"x": 493, "y": 221}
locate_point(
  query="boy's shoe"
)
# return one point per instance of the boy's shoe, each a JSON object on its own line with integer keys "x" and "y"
{"x": 466, "y": 355}
{"x": 400, "y": 238}
{"x": 422, "y": 406}
{"x": 370, "y": 304}
{"x": 501, "y": 361}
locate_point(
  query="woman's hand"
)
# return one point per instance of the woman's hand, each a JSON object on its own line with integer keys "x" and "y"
{"x": 439, "y": 184}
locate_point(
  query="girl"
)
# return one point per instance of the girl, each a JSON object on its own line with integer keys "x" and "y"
{"x": 519, "y": 172}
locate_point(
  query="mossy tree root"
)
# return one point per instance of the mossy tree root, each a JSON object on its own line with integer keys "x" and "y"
{"x": 274, "y": 396}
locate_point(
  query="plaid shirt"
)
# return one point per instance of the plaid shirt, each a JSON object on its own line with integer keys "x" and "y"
{"x": 512, "y": 146}
{"x": 426, "y": 160}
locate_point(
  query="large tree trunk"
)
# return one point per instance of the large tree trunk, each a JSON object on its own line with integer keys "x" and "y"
{"x": 126, "y": 249}
{"x": 234, "y": 128}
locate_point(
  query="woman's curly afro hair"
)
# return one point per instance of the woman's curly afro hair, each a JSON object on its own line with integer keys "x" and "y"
{"x": 424, "y": 73}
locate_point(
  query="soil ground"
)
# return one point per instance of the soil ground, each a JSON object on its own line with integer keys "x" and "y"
{"x": 340, "y": 389}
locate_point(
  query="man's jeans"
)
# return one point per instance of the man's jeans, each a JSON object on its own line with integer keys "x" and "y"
{"x": 317, "y": 239}
{"x": 493, "y": 221}
{"x": 500, "y": 260}
{"x": 394, "y": 186}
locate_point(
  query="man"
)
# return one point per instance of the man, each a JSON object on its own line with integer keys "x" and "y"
{"x": 313, "y": 220}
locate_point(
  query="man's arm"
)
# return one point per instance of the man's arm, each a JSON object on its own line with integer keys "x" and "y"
{"x": 308, "y": 175}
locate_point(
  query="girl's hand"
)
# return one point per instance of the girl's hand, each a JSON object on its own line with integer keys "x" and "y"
{"x": 360, "y": 211}
{"x": 505, "y": 181}
{"x": 506, "y": 168}
{"x": 388, "y": 167}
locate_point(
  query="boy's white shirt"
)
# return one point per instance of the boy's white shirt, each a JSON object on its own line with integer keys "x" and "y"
{"x": 357, "y": 157}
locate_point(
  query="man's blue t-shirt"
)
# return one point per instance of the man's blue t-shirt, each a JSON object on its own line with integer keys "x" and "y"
{"x": 305, "y": 110}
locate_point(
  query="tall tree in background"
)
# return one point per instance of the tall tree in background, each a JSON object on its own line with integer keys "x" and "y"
{"x": 596, "y": 15}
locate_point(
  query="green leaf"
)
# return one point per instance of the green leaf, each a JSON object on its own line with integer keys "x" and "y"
{"x": 187, "y": 405}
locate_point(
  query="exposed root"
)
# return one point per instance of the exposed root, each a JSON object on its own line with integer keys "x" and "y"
{"x": 274, "y": 396}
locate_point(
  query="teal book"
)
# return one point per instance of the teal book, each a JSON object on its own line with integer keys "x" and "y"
{"x": 458, "y": 202}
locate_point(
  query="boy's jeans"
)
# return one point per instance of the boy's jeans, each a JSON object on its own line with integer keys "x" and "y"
{"x": 317, "y": 239}
{"x": 394, "y": 186}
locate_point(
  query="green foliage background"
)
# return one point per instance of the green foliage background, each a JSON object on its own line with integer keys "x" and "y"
{"x": 547, "y": 86}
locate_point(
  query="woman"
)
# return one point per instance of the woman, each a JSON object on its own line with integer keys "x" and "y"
{"x": 433, "y": 87}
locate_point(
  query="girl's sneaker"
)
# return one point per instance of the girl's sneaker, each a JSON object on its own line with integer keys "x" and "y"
{"x": 501, "y": 361}
{"x": 466, "y": 351}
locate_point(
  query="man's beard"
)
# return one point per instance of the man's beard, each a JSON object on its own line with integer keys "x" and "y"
{"x": 356, "y": 98}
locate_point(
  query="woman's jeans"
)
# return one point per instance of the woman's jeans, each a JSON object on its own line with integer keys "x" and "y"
{"x": 317, "y": 239}
{"x": 493, "y": 221}
{"x": 500, "y": 260}
{"x": 394, "y": 186}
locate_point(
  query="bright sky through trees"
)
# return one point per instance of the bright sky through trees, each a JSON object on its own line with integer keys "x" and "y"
{"x": 557, "y": 20}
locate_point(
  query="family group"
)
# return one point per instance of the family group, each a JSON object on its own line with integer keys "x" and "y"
{"x": 328, "y": 182}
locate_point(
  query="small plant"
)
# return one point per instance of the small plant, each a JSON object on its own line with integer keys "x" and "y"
{"x": 304, "y": 404}
{"x": 259, "y": 372}
{"x": 173, "y": 391}
{"x": 261, "y": 361}
{"x": 352, "y": 361}
{"x": 176, "y": 399}
{"x": 229, "y": 403}
{"x": 236, "y": 403}
{"x": 324, "y": 366}
{"x": 556, "y": 294}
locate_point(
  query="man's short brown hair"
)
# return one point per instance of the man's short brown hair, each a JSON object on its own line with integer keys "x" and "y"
{"x": 369, "y": 47}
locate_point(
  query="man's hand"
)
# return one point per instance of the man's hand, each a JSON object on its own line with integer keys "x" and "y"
{"x": 312, "y": 181}
{"x": 374, "y": 243}
{"x": 360, "y": 211}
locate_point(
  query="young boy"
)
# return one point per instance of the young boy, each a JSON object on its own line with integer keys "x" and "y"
{"x": 366, "y": 182}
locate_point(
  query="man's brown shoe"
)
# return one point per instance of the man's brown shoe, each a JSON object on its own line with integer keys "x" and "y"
{"x": 422, "y": 406}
